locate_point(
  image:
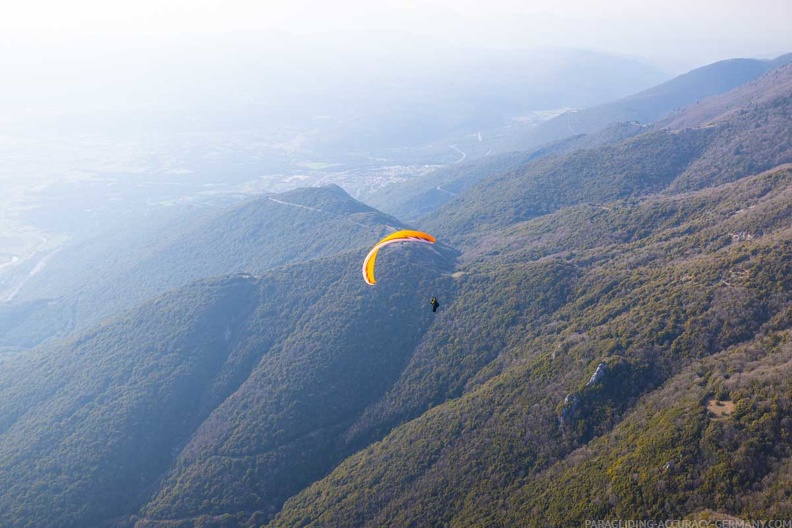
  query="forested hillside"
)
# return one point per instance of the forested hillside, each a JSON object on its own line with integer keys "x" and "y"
{"x": 668, "y": 297}
{"x": 589, "y": 128}
{"x": 751, "y": 138}
{"x": 226, "y": 375}
{"x": 598, "y": 127}
{"x": 413, "y": 199}
{"x": 613, "y": 341}
{"x": 113, "y": 272}
{"x": 669, "y": 309}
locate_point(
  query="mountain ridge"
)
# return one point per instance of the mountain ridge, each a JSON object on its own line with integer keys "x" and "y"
{"x": 651, "y": 104}
{"x": 612, "y": 342}
{"x": 423, "y": 476}
{"x": 259, "y": 234}
{"x": 754, "y": 137}
{"x": 626, "y": 117}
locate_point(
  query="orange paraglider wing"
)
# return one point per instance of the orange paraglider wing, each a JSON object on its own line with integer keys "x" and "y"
{"x": 405, "y": 235}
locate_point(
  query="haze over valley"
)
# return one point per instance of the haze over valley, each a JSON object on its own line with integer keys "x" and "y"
{"x": 80, "y": 160}
{"x": 579, "y": 218}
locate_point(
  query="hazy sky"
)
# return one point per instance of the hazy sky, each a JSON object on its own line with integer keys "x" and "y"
{"x": 677, "y": 34}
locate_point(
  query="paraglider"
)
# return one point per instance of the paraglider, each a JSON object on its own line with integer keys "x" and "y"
{"x": 434, "y": 303}
{"x": 405, "y": 235}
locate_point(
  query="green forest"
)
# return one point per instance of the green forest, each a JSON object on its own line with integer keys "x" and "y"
{"x": 614, "y": 340}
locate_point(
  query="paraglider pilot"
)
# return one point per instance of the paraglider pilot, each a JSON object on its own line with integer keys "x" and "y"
{"x": 434, "y": 304}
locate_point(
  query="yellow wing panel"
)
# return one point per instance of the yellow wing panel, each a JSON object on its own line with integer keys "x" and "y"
{"x": 405, "y": 235}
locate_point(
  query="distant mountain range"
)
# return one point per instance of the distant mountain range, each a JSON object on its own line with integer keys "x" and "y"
{"x": 605, "y": 124}
{"x": 748, "y": 140}
{"x": 614, "y": 341}
{"x": 650, "y": 105}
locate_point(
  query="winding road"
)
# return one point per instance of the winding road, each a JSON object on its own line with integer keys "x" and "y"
{"x": 463, "y": 154}
{"x": 281, "y": 202}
